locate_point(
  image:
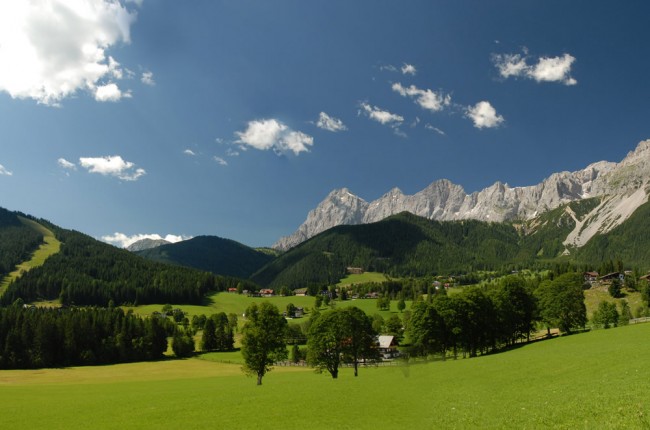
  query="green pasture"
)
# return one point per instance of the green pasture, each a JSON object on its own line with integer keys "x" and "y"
{"x": 363, "y": 278}
{"x": 50, "y": 247}
{"x": 595, "y": 295}
{"x": 593, "y": 380}
{"x": 237, "y": 304}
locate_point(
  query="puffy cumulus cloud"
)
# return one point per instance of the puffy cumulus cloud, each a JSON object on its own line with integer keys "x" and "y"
{"x": 220, "y": 161}
{"x": 50, "y": 49}
{"x": 427, "y": 99}
{"x": 483, "y": 115}
{"x": 122, "y": 240}
{"x": 546, "y": 69}
{"x": 147, "y": 79}
{"x": 272, "y": 134}
{"x": 4, "y": 171}
{"x": 329, "y": 123}
{"x": 110, "y": 93}
{"x": 381, "y": 116}
{"x": 65, "y": 164}
{"x": 113, "y": 165}
{"x": 408, "y": 69}
{"x": 189, "y": 152}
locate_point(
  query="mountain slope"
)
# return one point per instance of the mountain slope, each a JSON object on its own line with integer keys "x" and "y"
{"x": 624, "y": 183}
{"x": 143, "y": 244}
{"x": 401, "y": 245}
{"x": 89, "y": 272}
{"x": 212, "y": 254}
{"x": 17, "y": 241}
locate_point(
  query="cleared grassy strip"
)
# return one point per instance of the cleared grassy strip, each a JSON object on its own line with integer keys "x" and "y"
{"x": 591, "y": 380}
{"x": 47, "y": 249}
{"x": 362, "y": 278}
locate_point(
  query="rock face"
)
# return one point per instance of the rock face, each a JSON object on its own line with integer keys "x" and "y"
{"x": 143, "y": 244}
{"x": 622, "y": 184}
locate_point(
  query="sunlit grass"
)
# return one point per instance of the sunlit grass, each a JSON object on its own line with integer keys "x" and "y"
{"x": 590, "y": 380}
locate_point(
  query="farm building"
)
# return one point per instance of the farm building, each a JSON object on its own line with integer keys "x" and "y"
{"x": 387, "y": 347}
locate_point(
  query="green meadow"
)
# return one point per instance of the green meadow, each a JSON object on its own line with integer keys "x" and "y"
{"x": 237, "y": 303}
{"x": 50, "y": 247}
{"x": 591, "y": 380}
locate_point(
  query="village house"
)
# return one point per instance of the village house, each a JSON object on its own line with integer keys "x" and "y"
{"x": 301, "y": 292}
{"x": 267, "y": 292}
{"x": 387, "y": 347}
{"x": 590, "y": 277}
{"x": 355, "y": 270}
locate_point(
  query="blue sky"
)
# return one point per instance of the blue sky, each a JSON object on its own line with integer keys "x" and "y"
{"x": 235, "y": 118}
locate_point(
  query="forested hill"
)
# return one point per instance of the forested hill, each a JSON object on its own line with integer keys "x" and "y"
{"x": 89, "y": 272}
{"x": 408, "y": 245}
{"x": 401, "y": 245}
{"x": 17, "y": 241}
{"x": 212, "y": 254}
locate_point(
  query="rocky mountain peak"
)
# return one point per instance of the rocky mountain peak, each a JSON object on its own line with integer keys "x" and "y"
{"x": 443, "y": 200}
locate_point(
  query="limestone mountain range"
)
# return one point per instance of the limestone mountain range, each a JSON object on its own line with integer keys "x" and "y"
{"x": 622, "y": 187}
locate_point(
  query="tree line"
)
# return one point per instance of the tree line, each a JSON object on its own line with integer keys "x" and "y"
{"x": 42, "y": 337}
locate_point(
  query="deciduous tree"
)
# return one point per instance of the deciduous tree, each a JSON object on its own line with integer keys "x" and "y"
{"x": 263, "y": 339}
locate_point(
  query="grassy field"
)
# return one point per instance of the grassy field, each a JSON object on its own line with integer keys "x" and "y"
{"x": 594, "y": 296}
{"x": 362, "y": 279}
{"x": 591, "y": 380}
{"x": 237, "y": 303}
{"x": 50, "y": 247}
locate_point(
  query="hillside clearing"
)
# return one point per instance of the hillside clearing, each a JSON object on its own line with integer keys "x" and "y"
{"x": 50, "y": 247}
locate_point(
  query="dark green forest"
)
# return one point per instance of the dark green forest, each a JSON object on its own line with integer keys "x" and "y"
{"x": 33, "y": 337}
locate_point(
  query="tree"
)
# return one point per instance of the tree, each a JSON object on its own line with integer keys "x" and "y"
{"x": 393, "y": 326}
{"x": 562, "y": 302}
{"x": 626, "y": 313}
{"x": 182, "y": 343}
{"x": 325, "y": 342}
{"x": 615, "y": 288}
{"x": 319, "y": 301}
{"x": 263, "y": 339}
{"x": 291, "y": 310}
{"x": 425, "y": 329}
{"x": 606, "y": 314}
{"x": 341, "y": 336}
{"x": 209, "y": 340}
{"x": 360, "y": 344}
{"x": 401, "y": 304}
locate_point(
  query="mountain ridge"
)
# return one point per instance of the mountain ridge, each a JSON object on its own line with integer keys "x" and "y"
{"x": 443, "y": 200}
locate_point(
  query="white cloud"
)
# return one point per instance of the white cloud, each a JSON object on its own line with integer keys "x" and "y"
{"x": 147, "y": 78}
{"x": 112, "y": 166}
{"x": 220, "y": 161}
{"x": 50, "y": 49}
{"x": 272, "y": 134}
{"x": 388, "y": 67}
{"x": 381, "y": 116}
{"x": 408, "y": 69}
{"x": 4, "y": 171}
{"x": 436, "y": 129}
{"x": 547, "y": 69}
{"x": 189, "y": 152}
{"x": 555, "y": 69}
{"x": 329, "y": 123}
{"x": 110, "y": 93}
{"x": 483, "y": 115}
{"x": 65, "y": 164}
{"x": 427, "y": 99}
{"x": 122, "y": 240}
{"x": 232, "y": 153}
